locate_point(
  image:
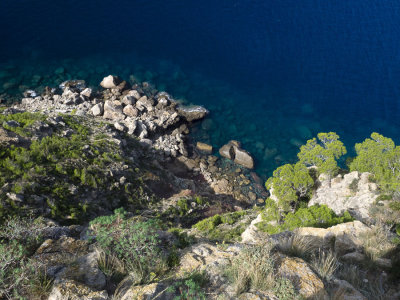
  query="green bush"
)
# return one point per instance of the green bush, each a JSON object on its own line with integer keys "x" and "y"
{"x": 379, "y": 156}
{"x": 313, "y": 216}
{"x": 136, "y": 244}
{"x": 324, "y": 153}
{"x": 191, "y": 287}
{"x": 289, "y": 183}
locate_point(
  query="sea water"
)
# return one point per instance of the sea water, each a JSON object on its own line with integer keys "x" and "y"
{"x": 272, "y": 73}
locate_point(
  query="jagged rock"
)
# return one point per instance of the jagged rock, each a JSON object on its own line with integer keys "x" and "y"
{"x": 71, "y": 290}
{"x": 233, "y": 152}
{"x": 352, "y": 192}
{"x": 119, "y": 126}
{"x": 87, "y": 92}
{"x": 354, "y": 257}
{"x": 206, "y": 257}
{"x": 128, "y": 100}
{"x": 113, "y": 110}
{"x": 252, "y": 235}
{"x": 345, "y": 291}
{"x": 192, "y": 113}
{"x": 75, "y": 85}
{"x": 97, "y": 110}
{"x": 304, "y": 279}
{"x": 345, "y": 236}
{"x": 204, "y": 147}
{"x": 110, "y": 82}
{"x": 222, "y": 186}
{"x": 147, "y": 292}
{"x": 134, "y": 93}
{"x": 86, "y": 271}
{"x": 130, "y": 111}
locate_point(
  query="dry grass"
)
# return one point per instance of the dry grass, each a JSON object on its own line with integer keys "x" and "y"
{"x": 325, "y": 264}
{"x": 110, "y": 265}
{"x": 377, "y": 242}
{"x": 298, "y": 245}
{"x": 252, "y": 269}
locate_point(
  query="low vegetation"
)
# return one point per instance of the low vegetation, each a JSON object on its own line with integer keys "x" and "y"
{"x": 314, "y": 216}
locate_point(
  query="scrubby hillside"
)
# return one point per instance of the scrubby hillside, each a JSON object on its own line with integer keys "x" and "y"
{"x": 103, "y": 195}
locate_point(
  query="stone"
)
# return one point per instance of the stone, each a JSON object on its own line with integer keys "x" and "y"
{"x": 128, "y": 100}
{"x": 85, "y": 271}
{"x": 252, "y": 235}
{"x": 113, "y": 110}
{"x": 11, "y": 123}
{"x": 243, "y": 158}
{"x": 59, "y": 71}
{"x": 233, "y": 152}
{"x": 74, "y": 85}
{"x": 134, "y": 93}
{"x": 130, "y": 111}
{"x": 97, "y": 110}
{"x": 345, "y": 236}
{"x": 204, "y": 147}
{"x": 87, "y": 92}
{"x": 192, "y": 113}
{"x": 110, "y": 82}
{"x": 119, "y": 126}
{"x": 353, "y": 257}
{"x": 352, "y": 192}
{"x": 346, "y": 290}
{"x": 145, "y": 292}
{"x": 72, "y": 290}
{"x": 304, "y": 279}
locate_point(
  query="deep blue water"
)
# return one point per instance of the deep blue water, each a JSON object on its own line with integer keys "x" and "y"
{"x": 273, "y": 73}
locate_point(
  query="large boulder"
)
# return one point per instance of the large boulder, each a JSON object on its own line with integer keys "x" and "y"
{"x": 204, "y": 147}
{"x": 192, "y": 113}
{"x": 72, "y": 290}
{"x": 113, "y": 110}
{"x": 234, "y": 152}
{"x": 353, "y": 192}
{"x": 305, "y": 280}
{"x": 344, "y": 237}
{"x": 110, "y": 82}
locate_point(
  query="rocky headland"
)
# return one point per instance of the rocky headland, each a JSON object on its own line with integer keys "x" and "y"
{"x": 110, "y": 198}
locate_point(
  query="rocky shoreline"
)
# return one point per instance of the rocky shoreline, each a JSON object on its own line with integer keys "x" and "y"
{"x": 160, "y": 123}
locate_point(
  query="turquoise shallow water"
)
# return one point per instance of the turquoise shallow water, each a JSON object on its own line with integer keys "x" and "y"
{"x": 273, "y": 74}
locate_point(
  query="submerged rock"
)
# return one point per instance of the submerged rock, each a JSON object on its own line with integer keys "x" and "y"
{"x": 75, "y": 85}
{"x": 192, "y": 113}
{"x": 233, "y": 152}
{"x": 204, "y": 147}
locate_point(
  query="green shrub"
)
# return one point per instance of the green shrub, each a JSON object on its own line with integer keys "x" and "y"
{"x": 313, "y": 216}
{"x": 213, "y": 227}
{"x": 284, "y": 290}
{"x": 323, "y": 154}
{"x": 136, "y": 244}
{"x": 289, "y": 183}
{"x": 191, "y": 287}
{"x": 183, "y": 239}
{"x": 379, "y": 156}
{"x": 209, "y": 223}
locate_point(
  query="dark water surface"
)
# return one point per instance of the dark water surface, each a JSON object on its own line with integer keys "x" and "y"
{"x": 273, "y": 73}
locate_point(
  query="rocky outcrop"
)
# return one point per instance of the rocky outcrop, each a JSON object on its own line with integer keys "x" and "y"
{"x": 72, "y": 290}
{"x": 345, "y": 237}
{"x": 306, "y": 281}
{"x": 352, "y": 192}
{"x": 233, "y": 152}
